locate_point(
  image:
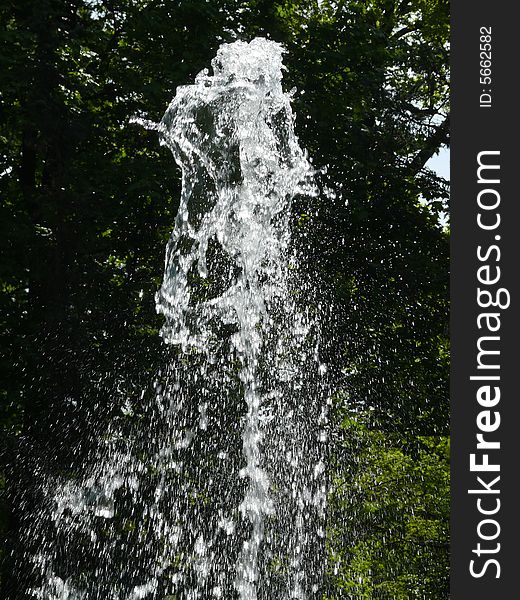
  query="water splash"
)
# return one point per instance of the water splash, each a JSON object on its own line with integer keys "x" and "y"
{"x": 232, "y": 134}
{"x": 221, "y": 494}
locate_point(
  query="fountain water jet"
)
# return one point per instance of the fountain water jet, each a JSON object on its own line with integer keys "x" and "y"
{"x": 217, "y": 520}
{"x": 232, "y": 134}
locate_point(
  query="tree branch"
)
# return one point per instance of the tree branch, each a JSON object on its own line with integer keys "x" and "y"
{"x": 437, "y": 139}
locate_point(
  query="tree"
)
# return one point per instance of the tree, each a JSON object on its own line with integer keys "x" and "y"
{"x": 88, "y": 202}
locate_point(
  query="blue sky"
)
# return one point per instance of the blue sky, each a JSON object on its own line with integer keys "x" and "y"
{"x": 441, "y": 163}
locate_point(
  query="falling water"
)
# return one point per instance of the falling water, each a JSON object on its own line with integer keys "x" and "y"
{"x": 218, "y": 491}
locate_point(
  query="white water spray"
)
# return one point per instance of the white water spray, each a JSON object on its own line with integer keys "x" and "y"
{"x": 225, "y": 489}
{"x": 232, "y": 134}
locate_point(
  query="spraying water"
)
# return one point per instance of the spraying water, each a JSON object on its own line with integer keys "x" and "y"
{"x": 221, "y": 495}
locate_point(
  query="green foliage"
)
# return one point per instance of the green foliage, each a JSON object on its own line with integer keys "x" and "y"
{"x": 389, "y": 513}
{"x": 374, "y": 111}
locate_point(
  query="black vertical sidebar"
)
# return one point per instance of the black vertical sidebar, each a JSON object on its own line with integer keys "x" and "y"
{"x": 485, "y": 529}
